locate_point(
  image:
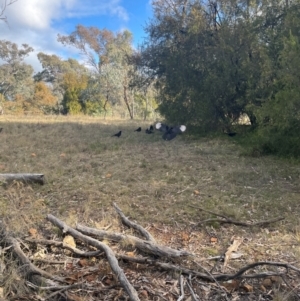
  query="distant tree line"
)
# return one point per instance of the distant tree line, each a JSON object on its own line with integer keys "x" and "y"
{"x": 101, "y": 86}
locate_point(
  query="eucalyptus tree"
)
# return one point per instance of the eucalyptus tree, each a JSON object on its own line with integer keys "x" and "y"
{"x": 54, "y": 69}
{"x": 15, "y": 75}
{"x": 106, "y": 53}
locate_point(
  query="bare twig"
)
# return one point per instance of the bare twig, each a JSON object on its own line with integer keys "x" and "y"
{"x": 208, "y": 276}
{"x": 214, "y": 279}
{"x": 48, "y": 261}
{"x": 192, "y": 291}
{"x": 65, "y": 246}
{"x": 58, "y": 289}
{"x": 3, "y": 8}
{"x": 181, "y": 288}
{"x": 227, "y": 220}
{"x": 29, "y": 268}
{"x": 109, "y": 254}
{"x": 133, "y": 225}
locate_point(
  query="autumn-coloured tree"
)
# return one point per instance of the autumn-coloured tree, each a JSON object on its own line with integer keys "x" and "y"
{"x": 54, "y": 69}
{"x": 106, "y": 53}
{"x": 17, "y": 106}
{"x": 73, "y": 84}
{"x": 43, "y": 98}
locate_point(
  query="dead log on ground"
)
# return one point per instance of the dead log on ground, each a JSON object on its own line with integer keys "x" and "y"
{"x": 23, "y": 177}
{"x": 142, "y": 245}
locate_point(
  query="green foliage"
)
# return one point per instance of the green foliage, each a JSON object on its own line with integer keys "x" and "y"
{"x": 71, "y": 103}
{"x": 213, "y": 64}
{"x": 15, "y": 75}
{"x": 279, "y": 116}
{"x": 107, "y": 53}
{"x": 92, "y": 108}
{"x": 73, "y": 84}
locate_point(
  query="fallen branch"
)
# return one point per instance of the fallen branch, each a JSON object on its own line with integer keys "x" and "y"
{"x": 133, "y": 225}
{"x": 108, "y": 252}
{"x": 192, "y": 291}
{"x": 212, "y": 277}
{"x": 61, "y": 244}
{"x": 142, "y": 245}
{"x": 227, "y": 220}
{"x": 60, "y": 289}
{"x": 23, "y": 177}
{"x": 29, "y": 269}
{"x": 182, "y": 270}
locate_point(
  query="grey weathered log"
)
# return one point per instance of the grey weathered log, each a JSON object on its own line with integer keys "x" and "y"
{"x": 100, "y": 246}
{"x": 142, "y": 245}
{"x": 133, "y": 225}
{"x": 23, "y": 177}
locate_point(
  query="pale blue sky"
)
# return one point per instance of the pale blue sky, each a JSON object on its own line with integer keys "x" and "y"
{"x": 37, "y": 22}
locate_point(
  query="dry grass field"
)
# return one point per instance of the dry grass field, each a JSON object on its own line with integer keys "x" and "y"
{"x": 156, "y": 184}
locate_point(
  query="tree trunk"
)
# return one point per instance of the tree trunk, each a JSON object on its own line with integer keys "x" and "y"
{"x": 105, "y": 104}
{"x": 146, "y": 112}
{"x": 126, "y": 102}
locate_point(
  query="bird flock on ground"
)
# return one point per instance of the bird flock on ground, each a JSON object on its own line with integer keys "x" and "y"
{"x": 169, "y": 132}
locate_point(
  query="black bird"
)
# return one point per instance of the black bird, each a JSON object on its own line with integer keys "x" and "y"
{"x": 151, "y": 128}
{"x": 231, "y": 134}
{"x": 148, "y": 131}
{"x": 138, "y": 129}
{"x": 162, "y": 127}
{"x": 117, "y": 135}
{"x": 171, "y": 132}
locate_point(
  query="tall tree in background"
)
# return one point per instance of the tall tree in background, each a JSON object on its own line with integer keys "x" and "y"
{"x": 54, "y": 69}
{"x": 15, "y": 75}
{"x": 43, "y": 99}
{"x": 214, "y": 60}
{"x": 107, "y": 54}
{"x": 73, "y": 84}
{"x": 54, "y": 74}
{"x": 200, "y": 53}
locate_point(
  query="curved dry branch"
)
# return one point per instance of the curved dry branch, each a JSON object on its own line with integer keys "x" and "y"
{"x": 109, "y": 254}
{"x": 133, "y": 225}
{"x": 227, "y": 220}
{"x": 212, "y": 277}
{"x": 143, "y": 245}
